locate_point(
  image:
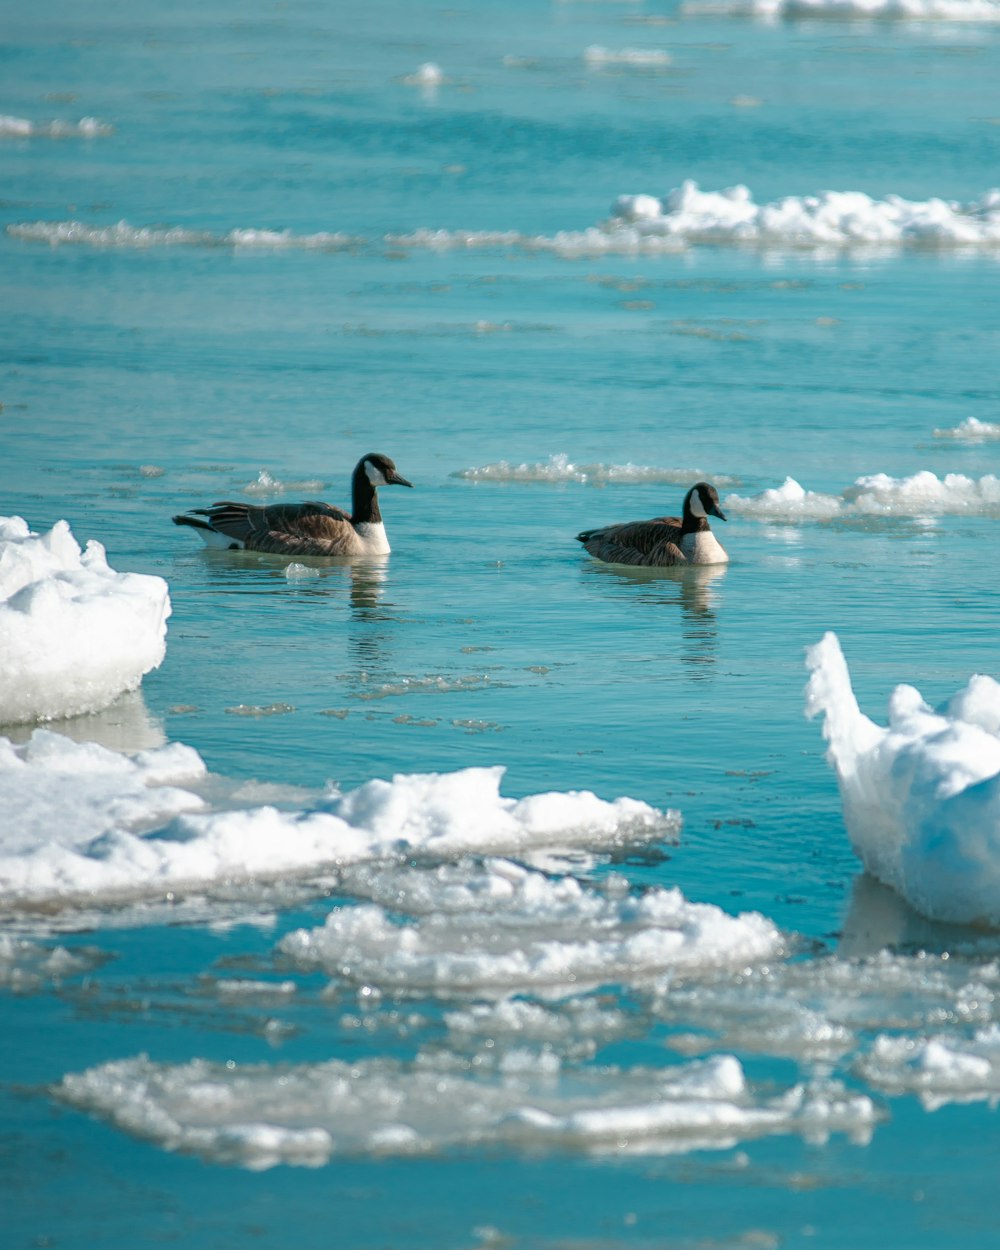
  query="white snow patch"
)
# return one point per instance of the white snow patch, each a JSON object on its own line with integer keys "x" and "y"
{"x": 852, "y": 10}
{"x": 921, "y": 799}
{"x": 88, "y": 824}
{"x": 923, "y": 494}
{"x": 971, "y": 430}
{"x": 74, "y": 634}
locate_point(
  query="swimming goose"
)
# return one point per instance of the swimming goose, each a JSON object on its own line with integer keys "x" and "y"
{"x": 664, "y": 540}
{"x": 304, "y": 529}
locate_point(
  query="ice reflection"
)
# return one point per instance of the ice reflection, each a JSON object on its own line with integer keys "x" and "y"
{"x": 879, "y": 919}
{"x": 127, "y": 725}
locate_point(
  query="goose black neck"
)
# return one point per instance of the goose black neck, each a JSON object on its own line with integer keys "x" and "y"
{"x": 364, "y": 497}
{"x": 691, "y": 524}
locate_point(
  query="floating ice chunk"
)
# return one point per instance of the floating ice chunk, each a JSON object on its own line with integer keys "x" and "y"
{"x": 88, "y": 824}
{"x": 60, "y": 797}
{"x": 788, "y": 502}
{"x": 921, "y": 799}
{"x": 832, "y": 218}
{"x": 25, "y": 965}
{"x": 639, "y": 58}
{"x": 501, "y": 927}
{"x": 24, "y": 128}
{"x": 638, "y": 223}
{"x": 575, "y": 1025}
{"x": 257, "y": 1116}
{"x": 899, "y": 10}
{"x": 122, "y": 235}
{"x": 923, "y": 494}
{"x": 939, "y": 1069}
{"x": 971, "y": 430}
{"x": 462, "y": 812}
{"x": 74, "y": 634}
{"x": 428, "y": 74}
{"x": 559, "y": 468}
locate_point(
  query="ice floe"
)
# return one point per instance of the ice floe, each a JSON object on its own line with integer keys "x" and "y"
{"x": 921, "y": 799}
{"x": 427, "y": 75}
{"x": 559, "y": 469}
{"x": 122, "y": 235}
{"x": 91, "y": 824}
{"x": 840, "y": 218}
{"x": 499, "y": 927}
{"x": 897, "y": 10}
{"x": 687, "y": 216}
{"x": 633, "y": 58}
{"x": 25, "y": 965}
{"x": 940, "y": 1069}
{"x": 876, "y": 495}
{"x": 258, "y": 1116}
{"x": 74, "y": 633}
{"x": 638, "y": 223}
{"x": 971, "y": 430}
{"x": 25, "y": 128}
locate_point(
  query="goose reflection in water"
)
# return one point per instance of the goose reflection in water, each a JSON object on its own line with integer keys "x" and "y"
{"x": 308, "y": 576}
{"x": 360, "y": 584}
{"x": 695, "y": 589}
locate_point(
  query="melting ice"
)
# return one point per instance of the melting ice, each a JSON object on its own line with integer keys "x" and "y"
{"x": 500, "y": 927}
{"x": 686, "y": 216}
{"x": 903, "y": 10}
{"x": 877, "y": 494}
{"x": 74, "y": 633}
{"x": 260, "y": 1115}
{"x": 921, "y": 798}
{"x": 94, "y": 824}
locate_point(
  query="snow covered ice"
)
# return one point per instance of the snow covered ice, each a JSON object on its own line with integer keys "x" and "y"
{"x": 837, "y": 218}
{"x": 898, "y": 10}
{"x": 74, "y": 633}
{"x": 93, "y": 824}
{"x": 686, "y": 216}
{"x": 875, "y": 495}
{"x": 921, "y": 798}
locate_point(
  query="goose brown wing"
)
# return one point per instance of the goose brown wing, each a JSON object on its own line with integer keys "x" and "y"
{"x": 653, "y": 543}
{"x": 286, "y": 528}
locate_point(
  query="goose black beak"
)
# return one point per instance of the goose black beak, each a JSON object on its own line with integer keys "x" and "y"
{"x": 717, "y": 511}
{"x": 396, "y": 479}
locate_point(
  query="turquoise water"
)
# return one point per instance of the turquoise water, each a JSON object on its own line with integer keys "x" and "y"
{"x": 140, "y": 380}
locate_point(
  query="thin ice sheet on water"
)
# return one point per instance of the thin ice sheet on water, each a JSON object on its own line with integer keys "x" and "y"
{"x": 257, "y": 1116}
{"x": 497, "y": 927}
{"x": 940, "y": 1069}
{"x": 686, "y": 216}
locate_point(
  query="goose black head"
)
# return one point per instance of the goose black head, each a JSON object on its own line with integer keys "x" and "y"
{"x": 703, "y": 501}
{"x": 381, "y": 471}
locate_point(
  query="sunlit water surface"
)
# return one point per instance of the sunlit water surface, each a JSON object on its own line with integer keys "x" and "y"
{"x": 141, "y": 378}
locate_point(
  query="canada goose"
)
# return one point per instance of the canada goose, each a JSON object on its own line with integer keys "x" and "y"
{"x": 305, "y": 529}
{"x": 664, "y": 540}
